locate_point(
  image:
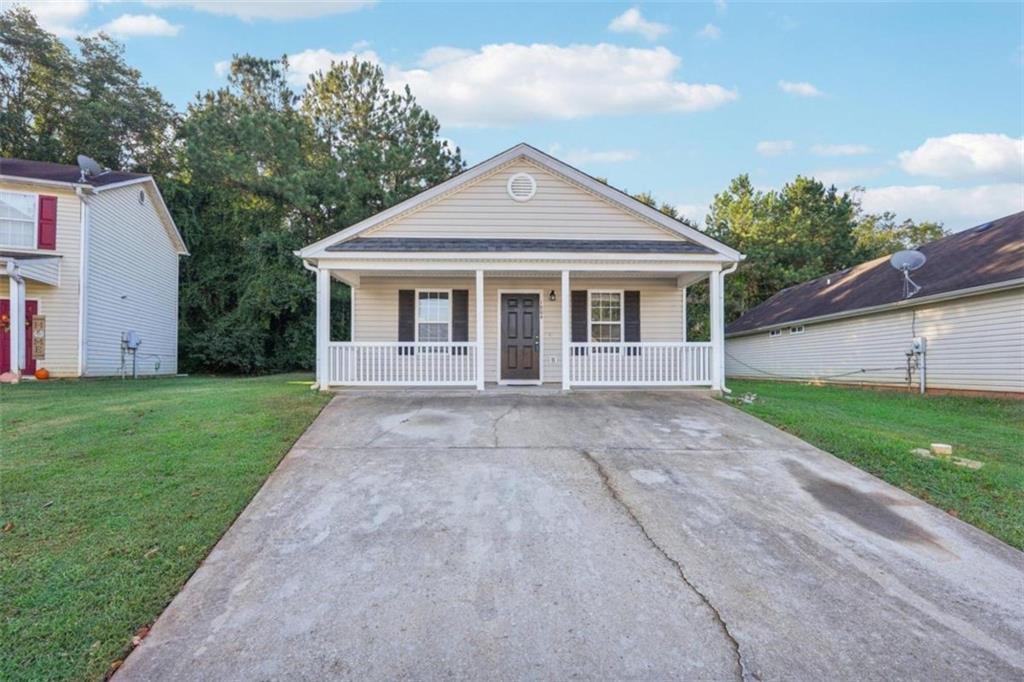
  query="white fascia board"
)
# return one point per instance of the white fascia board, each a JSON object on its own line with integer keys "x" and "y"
{"x": 47, "y": 183}
{"x": 537, "y": 265}
{"x": 886, "y": 307}
{"x": 609, "y": 193}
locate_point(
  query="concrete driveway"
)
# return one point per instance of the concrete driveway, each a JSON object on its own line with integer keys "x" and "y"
{"x": 612, "y": 535}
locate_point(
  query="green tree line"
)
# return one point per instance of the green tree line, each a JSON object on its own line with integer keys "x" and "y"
{"x": 256, "y": 169}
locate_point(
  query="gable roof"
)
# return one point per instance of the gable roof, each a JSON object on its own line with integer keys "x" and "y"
{"x": 321, "y": 248}
{"x": 64, "y": 174}
{"x": 986, "y": 255}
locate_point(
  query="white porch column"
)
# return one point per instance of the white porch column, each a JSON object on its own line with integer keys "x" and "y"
{"x": 479, "y": 298}
{"x": 17, "y": 315}
{"x": 566, "y": 329}
{"x": 323, "y": 326}
{"x": 685, "y": 322}
{"x": 717, "y": 305}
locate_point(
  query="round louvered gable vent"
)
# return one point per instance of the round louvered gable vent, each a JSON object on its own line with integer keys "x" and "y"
{"x": 522, "y": 187}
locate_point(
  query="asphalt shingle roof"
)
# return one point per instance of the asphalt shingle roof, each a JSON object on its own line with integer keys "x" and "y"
{"x": 401, "y": 244}
{"x": 59, "y": 172}
{"x": 986, "y": 254}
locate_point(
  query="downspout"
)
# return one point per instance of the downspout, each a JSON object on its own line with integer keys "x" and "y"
{"x": 722, "y": 274}
{"x": 83, "y": 271}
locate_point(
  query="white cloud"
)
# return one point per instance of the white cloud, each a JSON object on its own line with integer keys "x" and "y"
{"x": 840, "y": 149}
{"x": 222, "y": 68}
{"x": 710, "y": 32}
{"x": 721, "y": 6}
{"x": 584, "y": 156}
{"x": 958, "y": 208}
{"x": 275, "y": 10}
{"x": 303, "y": 64}
{"x": 695, "y": 213}
{"x": 631, "y": 21}
{"x": 511, "y": 84}
{"x": 58, "y": 17}
{"x": 128, "y": 25}
{"x": 801, "y": 89}
{"x": 775, "y": 147}
{"x": 965, "y": 155}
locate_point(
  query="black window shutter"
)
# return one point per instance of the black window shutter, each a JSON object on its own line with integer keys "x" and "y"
{"x": 406, "y": 318}
{"x": 579, "y": 318}
{"x": 460, "y": 318}
{"x": 631, "y": 319}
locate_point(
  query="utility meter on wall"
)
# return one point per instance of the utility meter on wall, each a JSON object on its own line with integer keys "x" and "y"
{"x": 919, "y": 345}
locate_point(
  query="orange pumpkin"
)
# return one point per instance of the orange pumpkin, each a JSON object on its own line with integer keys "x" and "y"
{"x": 42, "y": 374}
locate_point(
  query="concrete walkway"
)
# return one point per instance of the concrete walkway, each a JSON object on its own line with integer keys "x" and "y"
{"x": 612, "y": 535}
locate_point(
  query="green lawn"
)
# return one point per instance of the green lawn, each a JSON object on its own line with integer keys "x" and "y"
{"x": 111, "y": 494}
{"x": 875, "y": 430}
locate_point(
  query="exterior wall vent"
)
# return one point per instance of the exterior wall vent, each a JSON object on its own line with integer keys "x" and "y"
{"x": 522, "y": 186}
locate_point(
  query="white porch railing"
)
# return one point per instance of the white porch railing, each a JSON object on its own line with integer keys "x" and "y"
{"x": 640, "y": 364}
{"x": 402, "y": 364}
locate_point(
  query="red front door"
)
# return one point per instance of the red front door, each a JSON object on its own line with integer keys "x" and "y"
{"x": 31, "y": 308}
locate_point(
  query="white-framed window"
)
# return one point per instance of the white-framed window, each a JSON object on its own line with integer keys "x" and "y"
{"x": 18, "y": 220}
{"x": 433, "y": 315}
{"x": 775, "y": 332}
{"x": 606, "y": 318}
{"x": 796, "y": 330}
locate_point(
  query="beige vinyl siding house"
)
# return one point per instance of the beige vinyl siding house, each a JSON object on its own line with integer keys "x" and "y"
{"x": 57, "y": 302}
{"x": 520, "y": 270}
{"x": 973, "y": 330}
{"x": 112, "y": 267}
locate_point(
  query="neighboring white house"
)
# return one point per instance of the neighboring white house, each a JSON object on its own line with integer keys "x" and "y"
{"x": 857, "y": 326}
{"x": 83, "y": 261}
{"x": 519, "y": 270}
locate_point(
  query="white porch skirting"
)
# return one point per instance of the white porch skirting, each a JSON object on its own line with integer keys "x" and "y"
{"x": 455, "y": 364}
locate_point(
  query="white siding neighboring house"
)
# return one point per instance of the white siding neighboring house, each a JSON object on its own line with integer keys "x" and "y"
{"x": 857, "y": 327}
{"x": 580, "y": 285}
{"x": 88, "y": 258}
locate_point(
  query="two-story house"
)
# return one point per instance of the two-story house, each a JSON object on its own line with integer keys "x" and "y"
{"x": 85, "y": 259}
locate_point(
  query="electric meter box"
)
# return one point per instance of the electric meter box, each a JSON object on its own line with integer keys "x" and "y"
{"x": 919, "y": 345}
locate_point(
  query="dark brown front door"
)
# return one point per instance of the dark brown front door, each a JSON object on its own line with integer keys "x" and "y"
{"x": 520, "y": 337}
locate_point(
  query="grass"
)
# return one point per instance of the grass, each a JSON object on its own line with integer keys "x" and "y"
{"x": 875, "y": 430}
{"x": 112, "y": 493}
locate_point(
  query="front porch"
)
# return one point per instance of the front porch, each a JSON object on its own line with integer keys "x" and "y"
{"x": 618, "y": 326}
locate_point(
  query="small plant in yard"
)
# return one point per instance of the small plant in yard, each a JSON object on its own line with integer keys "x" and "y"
{"x": 113, "y": 493}
{"x": 885, "y": 432}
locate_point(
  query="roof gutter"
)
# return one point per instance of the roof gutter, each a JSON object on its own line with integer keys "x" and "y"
{"x": 896, "y": 305}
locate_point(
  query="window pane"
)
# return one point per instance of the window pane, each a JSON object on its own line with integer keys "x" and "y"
{"x": 433, "y": 332}
{"x": 17, "y": 206}
{"x": 17, "y": 233}
{"x": 17, "y": 219}
{"x": 605, "y": 333}
{"x": 434, "y": 306}
{"x": 605, "y": 307}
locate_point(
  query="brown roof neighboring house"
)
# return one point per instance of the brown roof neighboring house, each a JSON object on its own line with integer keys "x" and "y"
{"x": 984, "y": 255}
{"x": 59, "y": 172}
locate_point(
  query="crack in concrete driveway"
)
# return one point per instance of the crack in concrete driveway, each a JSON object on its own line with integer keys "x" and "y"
{"x": 429, "y": 535}
{"x": 742, "y": 671}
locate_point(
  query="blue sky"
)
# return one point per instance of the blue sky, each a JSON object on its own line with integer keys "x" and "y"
{"x": 920, "y": 104}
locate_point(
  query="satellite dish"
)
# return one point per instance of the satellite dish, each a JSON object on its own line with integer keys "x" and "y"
{"x": 89, "y": 167}
{"x": 906, "y": 262}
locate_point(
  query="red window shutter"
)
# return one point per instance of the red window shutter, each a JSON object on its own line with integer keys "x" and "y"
{"x": 47, "y": 223}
